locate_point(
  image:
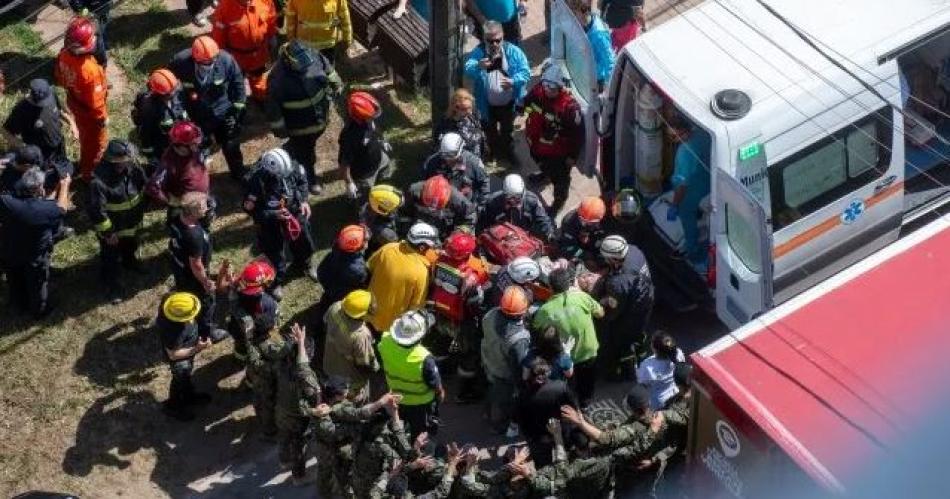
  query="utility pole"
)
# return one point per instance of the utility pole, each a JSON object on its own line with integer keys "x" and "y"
{"x": 445, "y": 46}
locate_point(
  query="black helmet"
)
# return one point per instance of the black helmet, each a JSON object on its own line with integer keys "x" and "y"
{"x": 297, "y": 54}
{"x": 627, "y": 206}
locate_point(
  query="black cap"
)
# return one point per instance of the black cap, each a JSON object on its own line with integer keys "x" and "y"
{"x": 41, "y": 94}
{"x": 118, "y": 148}
{"x": 638, "y": 398}
{"x": 335, "y": 386}
{"x": 28, "y": 155}
{"x": 682, "y": 373}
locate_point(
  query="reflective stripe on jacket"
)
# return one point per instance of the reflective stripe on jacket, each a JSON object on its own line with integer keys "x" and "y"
{"x": 403, "y": 368}
{"x": 319, "y": 23}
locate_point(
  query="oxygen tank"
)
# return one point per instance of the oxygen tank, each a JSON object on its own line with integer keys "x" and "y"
{"x": 648, "y": 155}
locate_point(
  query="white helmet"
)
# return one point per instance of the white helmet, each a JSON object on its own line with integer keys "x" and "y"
{"x": 451, "y": 145}
{"x": 553, "y": 74}
{"x": 423, "y": 233}
{"x": 524, "y": 270}
{"x": 411, "y": 327}
{"x": 614, "y": 248}
{"x": 514, "y": 185}
{"x": 277, "y": 162}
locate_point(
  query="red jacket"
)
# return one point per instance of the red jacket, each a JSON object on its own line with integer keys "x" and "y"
{"x": 177, "y": 175}
{"x": 554, "y": 126}
{"x": 453, "y": 283}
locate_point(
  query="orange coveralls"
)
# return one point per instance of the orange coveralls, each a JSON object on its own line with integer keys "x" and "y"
{"x": 245, "y": 31}
{"x": 86, "y": 95}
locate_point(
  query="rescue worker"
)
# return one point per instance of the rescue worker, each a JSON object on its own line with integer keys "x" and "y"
{"x": 399, "y": 275}
{"x": 214, "y": 96}
{"x": 582, "y": 230}
{"x": 28, "y": 223}
{"x": 182, "y": 169}
{"x": 364, "y": 152}
{"x": 456, "y": 296}
{"x": 251, "y": 304}
{"x": 504, "y": 346}
{"x": 155, "y": 111}
{"x": 598, "y": 35}
{"x": 266, "y": 353}
{"x": 277, "y": 200}
{"x": 116, "y": 209}
{"x": 84, "y": 80}
{"x": 299, "y": 88}
{"x": 99, "y": 11}
{"x": 298, "y": 393}
{"x": 349, "y": 352}
{"x": 461, "y": 168}
{"x": 324, "y": 25}
{"x": 522, "y": 271}
{"x": 554, "y": 132}
{"x": 380, "y": 216}
{"x": 36, "y": 120}
{"x": 189, "y": 249}
{"x": 181, "y": 343}
{"x": 247, "y": 29}
{"x": 411, "y": 371}
{"x": 342, "y": 271}
{"x": 628, "y": 303}
{"x": 518, "y": 206}
{"x": 691, "y": 183}
{"x": 437, "y": 203}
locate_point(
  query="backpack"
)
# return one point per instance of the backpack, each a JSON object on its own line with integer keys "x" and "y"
{"x": 504, "y": 242}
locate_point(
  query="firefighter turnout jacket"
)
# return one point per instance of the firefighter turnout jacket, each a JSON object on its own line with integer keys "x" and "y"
{"x": 246, "y": 31}
{"x": 298, "y": 101}
{"x": 213, "y": 98}
{"x": 553, "y": 127}
{"x": 319, "y": 23}
{"x": 154, "y": 116}
{"x": 116, "y": 204}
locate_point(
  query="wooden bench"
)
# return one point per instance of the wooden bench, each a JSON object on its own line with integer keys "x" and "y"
{"x": 403, "y": 43}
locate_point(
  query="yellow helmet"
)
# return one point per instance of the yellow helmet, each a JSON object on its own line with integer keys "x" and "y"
{"x": 357, "y": 303}
{"x": 181, "y": 307}
{"x": 384, "y": 199}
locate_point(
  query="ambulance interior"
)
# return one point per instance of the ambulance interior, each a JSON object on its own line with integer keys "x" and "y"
{"x": 925, "y": 91}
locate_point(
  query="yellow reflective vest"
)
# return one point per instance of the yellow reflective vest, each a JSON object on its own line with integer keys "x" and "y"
{"x": 319, "y": 23}
{"x": 403, "y": 368}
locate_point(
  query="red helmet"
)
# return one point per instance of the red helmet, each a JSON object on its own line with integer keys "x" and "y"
{"x": 256, "y": 276}
{"x": 363, "y": 107}
{"x": 80, "y": 34}
{"x": 204, "y": 49}
{"x": 185, "y": 133}
{"x": 436, "y": 192}
{"x": 162, "y": 82}
{"x": 591, "y": 210}
{"x": 460, "y": 245}
{"x": 351, "y": 238}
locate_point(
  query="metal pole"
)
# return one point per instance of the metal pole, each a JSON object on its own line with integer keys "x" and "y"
{"x": 444, "y": 46}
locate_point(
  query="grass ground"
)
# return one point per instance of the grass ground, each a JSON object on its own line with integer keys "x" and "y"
{"x": 80, "y": 390}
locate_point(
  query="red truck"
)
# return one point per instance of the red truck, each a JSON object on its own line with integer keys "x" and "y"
{"x": 812, "y": 396}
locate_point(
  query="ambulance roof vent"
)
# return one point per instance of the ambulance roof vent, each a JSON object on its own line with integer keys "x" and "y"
{"x": 730, "y": 104}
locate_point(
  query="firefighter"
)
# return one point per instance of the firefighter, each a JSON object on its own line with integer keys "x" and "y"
{"x": 252, "y": 306}
{"x": 521, "y": 271}
{"x": 299, "y": 87}
{"x": 324, "y": 25}
{"x": 97, "y": 10}
{"x": 436, "y": 202}
{"x": 463, "y": 169}
{"x": 214, "y": 96}
{"x": 277, "y": 200}
{"x": 364, "y": 152}
{"x": 628, "y": 302}
{"x": 182, "y": 169}
{"x": 399, "y": 275}
{"x": 247, "y": 29}
{"x": 342, "y": 271}
{"x": 456, "y": 295}
{"x": 582, "y": 230}
{"x": 553, "y": 130}
{"x": 518, "y": 206}
{"x": 84, "y": 80}
{"x": 155, "y": 111}
{"x": 380, "y": 216}
{"x": 116, "y": 209}
{"x": 181, "y": 343}
{"x": 37, "y": 121}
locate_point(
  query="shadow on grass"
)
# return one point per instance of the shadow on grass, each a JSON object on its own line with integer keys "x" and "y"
{"x": 20, "y": 68}
{"x": 110, "y": 355}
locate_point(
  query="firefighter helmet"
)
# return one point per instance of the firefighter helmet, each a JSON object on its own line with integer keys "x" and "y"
{"x": 423, "y": 233}
{"x": 277, "y": 162}
{"x": 523, "y": 270}
{"x": 553, "y": 75}
{"x": 256, "y": 276}
{"x": 591, "y": 210}
{"x": 460, "y": 245}
{"x": 627, "y": 206}
{"x": 358, "y": 303}
{"x": 80, "y": 34}
{"x": 162, "y": 82}
{"x": 352, "y": 238}
{"x": 297, "y": 54}
{"x": 185, "y": 133}
{"x": 384, "y": 199}
{"x": 204, "y": 49}
{"x": 614, "y": 248}
{"x": 513, "y": 185}
{"x": 451, "y": 145}
{"x": 514, "y": 301}
{"x": 181, "y": 307}
{"x": 411, "y": 326}
{"x": 363, "y": 107}
{"x": 436, "y": 192}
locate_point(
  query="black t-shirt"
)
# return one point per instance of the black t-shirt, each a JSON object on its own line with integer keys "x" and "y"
{"x": 28, "y": 225}
{"x": 38, "y": 126}
{"x": 176, "y": 335}
{"x": 188, "y": 242}
{"x": 545, "y": 403}
{"x": 619, "y": 12}
{"x": 361, "y": 147}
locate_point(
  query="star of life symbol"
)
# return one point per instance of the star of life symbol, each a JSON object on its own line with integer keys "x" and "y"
{"x": 854, "y": 211}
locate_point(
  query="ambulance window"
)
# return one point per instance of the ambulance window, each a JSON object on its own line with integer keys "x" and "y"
{"x": 743, "y": 240}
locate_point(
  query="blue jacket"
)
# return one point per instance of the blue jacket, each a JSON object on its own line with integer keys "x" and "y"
{"x": 599, "y": 36}
{"x": 518, "y": 70}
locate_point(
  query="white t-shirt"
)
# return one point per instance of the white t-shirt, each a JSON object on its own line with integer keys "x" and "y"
{"x": 657, "y": 375}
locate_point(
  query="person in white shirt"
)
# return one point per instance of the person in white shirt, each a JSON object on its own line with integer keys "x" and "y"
{"x": 656, "y": 371}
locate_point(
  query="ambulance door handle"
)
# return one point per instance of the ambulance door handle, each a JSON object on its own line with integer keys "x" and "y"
{"x": 734, "y": 281}
{"x": 884, "y": 183}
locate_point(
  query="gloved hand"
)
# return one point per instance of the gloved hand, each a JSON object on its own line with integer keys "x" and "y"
{"x": 672, "y": 212}
{"x": 352, "y": 191}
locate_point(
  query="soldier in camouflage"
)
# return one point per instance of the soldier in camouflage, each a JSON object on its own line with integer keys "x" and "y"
{"x": 298, "y": 392}
{"x": 265, "y": 354}
{"x": 382, "y": 440}
{"x": 395, "y": 483}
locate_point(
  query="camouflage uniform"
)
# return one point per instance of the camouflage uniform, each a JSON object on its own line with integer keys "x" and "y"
{"x": 375, "y": 453}
{"x": 672, "y": 455}
{"x": 441, "y": 490}
{"x": 589, "y": 477}
{"x": 298, "y": 390}
{"x": 264, "y": 359}
{"x": 334, "y": 435}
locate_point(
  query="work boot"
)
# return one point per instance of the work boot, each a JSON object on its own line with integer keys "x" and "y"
{"x": 218, "y": 335}
{"x": 114, "y": 293}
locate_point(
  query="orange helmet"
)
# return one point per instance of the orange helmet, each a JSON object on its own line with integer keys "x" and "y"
{"x": 162, "y": 82}
{"x": 460, "y": 245}
{"x": 436, "y": 192}
{"x": 204, "y": 49}
{"x": 256, "y": 276}
{"x": 591, "y": 210}
{"x": 514, "y": 301}
{"x": 185, "y": 133}
{"x": 352, "y": 238}
{"x": 81, "y": 34}
{"x": 363, "y": 107}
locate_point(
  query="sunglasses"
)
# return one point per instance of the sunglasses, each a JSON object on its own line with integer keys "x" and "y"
{"x": 494, "y": 41}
